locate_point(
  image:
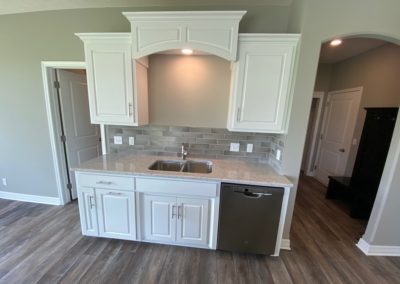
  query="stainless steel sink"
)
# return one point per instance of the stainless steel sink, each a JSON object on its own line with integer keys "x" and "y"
{"x": 167, "y": 165}
{"x": 201, "y": 167}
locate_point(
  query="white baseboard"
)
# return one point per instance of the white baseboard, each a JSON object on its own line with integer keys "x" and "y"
{"x": 30, "y": 198}
{"x": 368, "y": 249}
{"x": 285, "y": 244}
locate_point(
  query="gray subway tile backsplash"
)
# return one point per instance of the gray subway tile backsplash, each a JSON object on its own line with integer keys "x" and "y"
{"x": 207, "y": 143}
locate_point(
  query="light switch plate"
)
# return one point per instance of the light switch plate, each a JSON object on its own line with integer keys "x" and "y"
{"x": 4, "y": 181}
{"x": 234, "y": 147}
{"x": 249, "y": 148}
{"x": 131, "y": 140}
{"x": 117, "y": 140}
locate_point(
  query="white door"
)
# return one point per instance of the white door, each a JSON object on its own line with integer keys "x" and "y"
{"x": 160, "y": 214}
{"x": 82, "y": 137}
{"x": 338, "y": 128}
{"x": 87, "y": 211}
{"x": 116, "y": 213}
{"x": 192, "y": 225}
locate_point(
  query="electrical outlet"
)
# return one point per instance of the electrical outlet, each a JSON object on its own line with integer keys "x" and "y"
{"x": 4, "y": 181}
{"x": 234, "y": 147}
{"x": 117, "y": 140}
{"x": 131, "y": 140}
{"x": 249, "y": 148}
{"x": 278, "y": 154}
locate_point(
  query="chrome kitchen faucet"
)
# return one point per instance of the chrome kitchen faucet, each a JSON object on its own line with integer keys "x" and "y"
{"x": 184, "y": 152}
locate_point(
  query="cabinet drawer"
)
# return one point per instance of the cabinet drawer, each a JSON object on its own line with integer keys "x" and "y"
{"x": 106, "y": 181}
{"x": 169, "y": 186}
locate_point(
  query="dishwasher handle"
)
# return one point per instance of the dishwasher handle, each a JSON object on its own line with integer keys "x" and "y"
{"x": 249, "y": 194}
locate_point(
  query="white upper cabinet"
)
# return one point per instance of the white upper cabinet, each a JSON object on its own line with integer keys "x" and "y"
{"x": 261, "y": 83}
{"x": 214, "y": 32}
{"x": 117, "y": 84}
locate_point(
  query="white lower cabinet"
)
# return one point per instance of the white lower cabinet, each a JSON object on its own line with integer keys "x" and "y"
{"x": 162, "y": 210}
{"x": 176, "y": 220}
{"x": 87, "y": 211}
{"x": 159, "y": 218}
{"x": 107, "y": 206}
{"x": 116, "y": 212}
{"x": 192, "y": 226}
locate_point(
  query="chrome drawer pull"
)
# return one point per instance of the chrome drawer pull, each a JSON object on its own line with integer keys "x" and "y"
{"x": 104, "y": 182}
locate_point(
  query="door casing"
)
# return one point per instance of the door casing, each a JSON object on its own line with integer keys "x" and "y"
{"x": 53, "y": 122}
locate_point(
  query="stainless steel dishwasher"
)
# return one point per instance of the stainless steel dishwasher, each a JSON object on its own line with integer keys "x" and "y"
{"x": 249, "y": 218}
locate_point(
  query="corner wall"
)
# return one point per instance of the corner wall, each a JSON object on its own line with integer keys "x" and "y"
{"x": 363, "y": 17}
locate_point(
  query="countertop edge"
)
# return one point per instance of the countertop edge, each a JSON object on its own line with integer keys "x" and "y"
{"x": 199, "y": 177}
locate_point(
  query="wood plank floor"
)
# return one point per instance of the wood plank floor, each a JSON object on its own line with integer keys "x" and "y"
{"x": 43, "y": 244}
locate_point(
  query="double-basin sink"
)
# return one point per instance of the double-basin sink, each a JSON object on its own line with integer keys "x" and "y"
{"x": 186, "y": 166}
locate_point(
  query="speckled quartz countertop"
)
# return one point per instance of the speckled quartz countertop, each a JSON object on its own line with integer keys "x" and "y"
{"x": 233, "y": 171}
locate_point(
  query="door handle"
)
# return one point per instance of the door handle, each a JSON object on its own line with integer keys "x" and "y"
{"x": 91, "y": 203}
{"x": 180, "y": 212}
{"x": 253, "y": 194}
{"x": 342, "y": 150}
{"x": 238, "y": 115}
{"x": 130, "y": 109}
{"x": 173, "y": 211}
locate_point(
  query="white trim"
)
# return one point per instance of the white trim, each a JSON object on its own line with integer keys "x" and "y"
{"x": 103, "y": 139}
{"x": 368, "y": 249}
{"x": 285, "y": 244}
{"x": 314, "y": 140}
{"x": 30, "y": 198}
{"x": 279, "y": 237}
{"x": 52, "y": 124}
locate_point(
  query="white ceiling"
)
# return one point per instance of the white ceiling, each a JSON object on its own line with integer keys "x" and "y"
{"x": 350, "y": 47}
{"x": 23, "y": 6}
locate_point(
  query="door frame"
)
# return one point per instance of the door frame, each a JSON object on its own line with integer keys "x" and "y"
{"x": 314, "y": 139}
{"x": 356, "y": 89}
{"x": 54, "y": 123}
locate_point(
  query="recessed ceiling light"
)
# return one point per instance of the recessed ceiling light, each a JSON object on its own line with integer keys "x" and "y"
{"x": 187, "y": 51}
{"x": 336, "y": 42}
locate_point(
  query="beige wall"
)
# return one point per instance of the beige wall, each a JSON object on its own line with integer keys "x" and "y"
{"x": 189, "y": 90}
{"x": 29, "y": 38}
{"x": 323, "y": 79}
{"x": 377, "y": 71}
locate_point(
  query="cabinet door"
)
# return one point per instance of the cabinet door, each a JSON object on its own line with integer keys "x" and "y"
{"x": 116, "y": 212}
{"x": 261, "y": 86}
{"x": 192, "y": 225}
{"x": 87, "y": 211}
{"x": 160, "y": 213}
{"x": 110, "y": 76}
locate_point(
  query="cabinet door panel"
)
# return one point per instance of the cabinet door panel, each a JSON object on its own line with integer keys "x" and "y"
{"x": 261, "y": 85}
{"x": 87, "y": 211}
{"x": 110, "y": 83}
{"x": 192, "y": 225}
{"x": 116, "y": 211}
{"x": 159, "y": 218}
